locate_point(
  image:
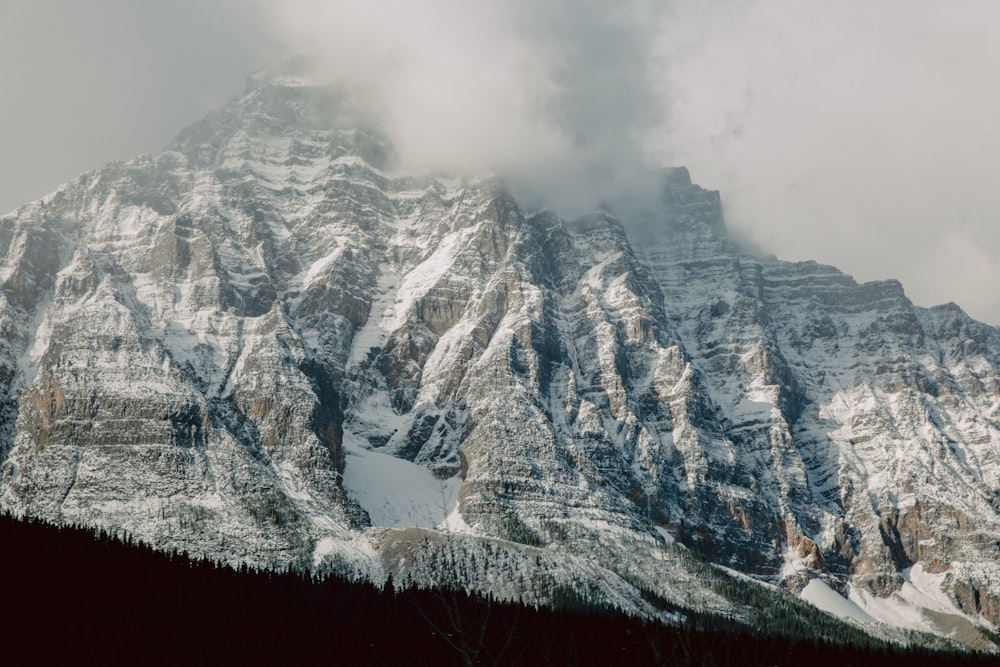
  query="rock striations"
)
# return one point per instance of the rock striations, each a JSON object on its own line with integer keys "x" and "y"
{"x": 261, "y": 345}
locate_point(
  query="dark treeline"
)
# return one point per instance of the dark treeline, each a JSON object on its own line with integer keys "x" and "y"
{"x": 67, "y": 593}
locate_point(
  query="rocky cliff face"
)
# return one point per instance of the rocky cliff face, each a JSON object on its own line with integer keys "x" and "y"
{"x": 261, "y": 345}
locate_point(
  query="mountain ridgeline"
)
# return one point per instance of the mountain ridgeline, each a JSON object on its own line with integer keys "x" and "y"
{"x": 262, "y": 346}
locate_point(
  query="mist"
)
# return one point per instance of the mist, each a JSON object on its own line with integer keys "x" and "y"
{"x": 85, "y": 83}
{"x": 854, "y": 133}
{"x": 556, "y": 97}
{"x": 857, "y": 134}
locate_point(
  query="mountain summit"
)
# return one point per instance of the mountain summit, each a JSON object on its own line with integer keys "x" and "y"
{"x": 264, "y": 346}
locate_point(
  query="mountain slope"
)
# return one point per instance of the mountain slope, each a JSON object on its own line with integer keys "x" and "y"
{"x": 262, "y": 345}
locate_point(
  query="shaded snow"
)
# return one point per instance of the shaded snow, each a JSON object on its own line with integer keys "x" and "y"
{"x": 667, "y": 537}
{"x": 396, "y": 492}
{"x": 378, "y": 326}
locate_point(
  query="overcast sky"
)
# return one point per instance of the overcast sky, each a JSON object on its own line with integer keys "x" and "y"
{"x": 859, "y": 134}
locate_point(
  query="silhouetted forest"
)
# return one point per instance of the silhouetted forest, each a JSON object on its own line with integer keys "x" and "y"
{"x": 71, "y": 594}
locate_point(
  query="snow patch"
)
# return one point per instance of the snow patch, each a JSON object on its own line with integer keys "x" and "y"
{"x": 921, "y": 591}
{"x": 454, "y": 523}
{"x": 319, "y": 267}
{"x": 821, "y": 596}
{"x": 426, "y": 275}
{"x": 378, "y": 326}
{"x": 396, "y": 492}
{"x": 667, "y": 537}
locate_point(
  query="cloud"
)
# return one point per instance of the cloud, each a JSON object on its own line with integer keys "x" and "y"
{"x": 854, "y": 133}
{"x": 557, "y": 95}
{"x": 857, "y": 134}
{"x": 88, "y": 82}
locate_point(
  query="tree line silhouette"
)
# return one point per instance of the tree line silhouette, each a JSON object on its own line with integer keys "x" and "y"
{"x": 70, "y": 593}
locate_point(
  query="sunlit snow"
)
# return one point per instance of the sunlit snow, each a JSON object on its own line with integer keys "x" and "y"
{"x": 823, "y": 597}
{"x": 921, "y": 592}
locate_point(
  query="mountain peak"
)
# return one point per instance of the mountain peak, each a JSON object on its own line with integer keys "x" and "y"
{"x": 296, "y": 71}
{"x": 676, "y": 176}
{"x": 260, "y": 345}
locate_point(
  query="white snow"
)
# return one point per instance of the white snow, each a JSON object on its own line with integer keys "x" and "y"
{"x": 667, "y": 537}
{"x": 920, "y": 591}
{"x": 454, "y": 523}
{"x": 319, "y": 267}
{"x": 378, "y": 327}
{"x": 396, "y": 492}
{"x": 425, "y": 276}
{"x": 358, "y": 553}
{"x": 821, "y": 596}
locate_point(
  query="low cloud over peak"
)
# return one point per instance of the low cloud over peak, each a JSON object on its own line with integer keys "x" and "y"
{"x": 854, "y": 133}
{"x": 559, "y": 97}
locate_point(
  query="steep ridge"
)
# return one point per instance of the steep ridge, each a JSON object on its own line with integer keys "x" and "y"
{"x": 868, "y": 425}
{"x": 260, "y": 345}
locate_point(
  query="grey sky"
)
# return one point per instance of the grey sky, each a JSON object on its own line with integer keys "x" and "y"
{"x": 85, "y": 82}
{"x": 858, "y": 134}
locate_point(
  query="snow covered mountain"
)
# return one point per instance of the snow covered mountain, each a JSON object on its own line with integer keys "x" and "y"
{"x": 261, "y": 345}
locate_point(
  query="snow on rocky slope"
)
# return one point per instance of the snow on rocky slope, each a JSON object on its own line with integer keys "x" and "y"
{"x": 260, "y": 345}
